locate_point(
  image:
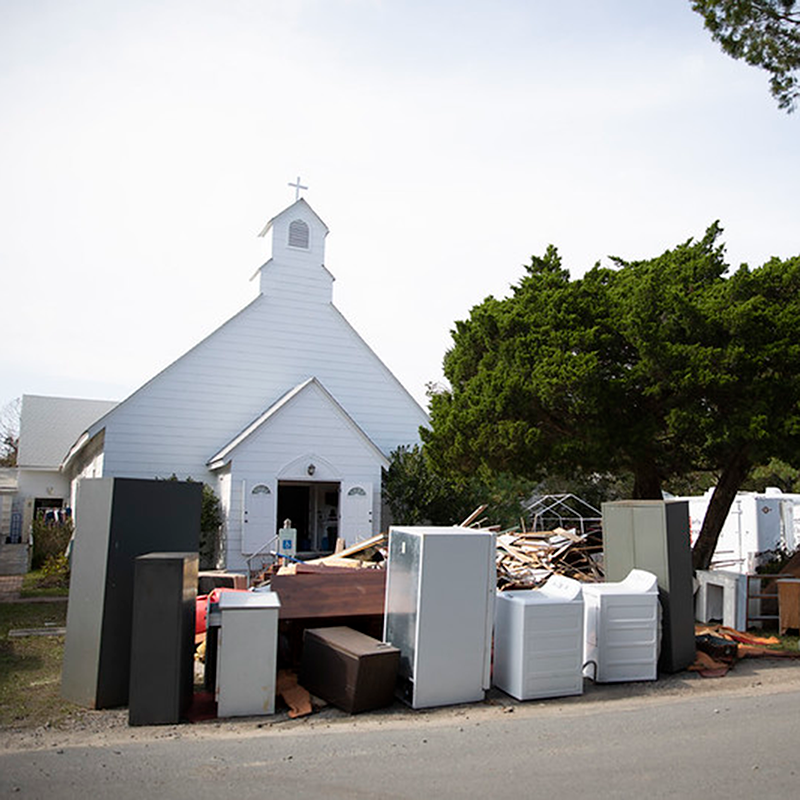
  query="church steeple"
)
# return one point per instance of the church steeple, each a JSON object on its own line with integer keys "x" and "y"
{"x": 297, "y": 259}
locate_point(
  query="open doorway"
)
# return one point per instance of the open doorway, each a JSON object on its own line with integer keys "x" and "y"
{"x": 313, "y": 509}
{"x": 49, "y": 509}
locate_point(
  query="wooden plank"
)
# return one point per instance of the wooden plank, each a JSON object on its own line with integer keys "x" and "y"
{"x": 474, "y": 515}
{"x": 569, "y": 534}
{"x": 301, "y": 567}
{"x": 519, "y": 554}
{"x": 374, "y": 541}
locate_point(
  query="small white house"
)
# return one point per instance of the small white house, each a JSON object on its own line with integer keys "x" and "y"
{"x": 284, "y": 410}
{"x": 48, "y": 427}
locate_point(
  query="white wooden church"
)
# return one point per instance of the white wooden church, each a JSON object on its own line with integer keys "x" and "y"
{"x": 284, "y": 409}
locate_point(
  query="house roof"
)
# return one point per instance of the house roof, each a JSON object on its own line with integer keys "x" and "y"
{"x": 50, "y": 425}
{"x": 221, "y": 457}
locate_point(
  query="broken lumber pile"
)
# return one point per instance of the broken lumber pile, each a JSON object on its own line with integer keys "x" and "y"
{"x": 525, "y": 560}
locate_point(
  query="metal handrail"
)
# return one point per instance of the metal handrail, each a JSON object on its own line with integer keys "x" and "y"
{"x": 261, "y": 551}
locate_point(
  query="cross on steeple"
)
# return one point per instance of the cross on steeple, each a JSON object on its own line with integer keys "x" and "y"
{"x": 297, "y": 187}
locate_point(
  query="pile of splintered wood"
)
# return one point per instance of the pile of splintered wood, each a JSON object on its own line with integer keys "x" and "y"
{"x": 525, "y": 560}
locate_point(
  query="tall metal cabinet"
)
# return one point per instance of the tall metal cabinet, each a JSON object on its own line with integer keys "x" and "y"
{"x": 162, "y": 639}
{"x": 117, "y": 519}
{"x": 440, "y": 588}
{"x": 653, "y": 535}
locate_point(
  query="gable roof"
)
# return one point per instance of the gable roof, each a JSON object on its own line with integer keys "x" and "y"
{"x": 220, "y": 458}
{"x": 230, "y": 330}
{"x": 301, "y": 203}
{"x": 50, "y": 425}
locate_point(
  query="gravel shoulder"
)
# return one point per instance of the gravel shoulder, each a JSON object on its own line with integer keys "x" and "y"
{"x": 751, "y": 677}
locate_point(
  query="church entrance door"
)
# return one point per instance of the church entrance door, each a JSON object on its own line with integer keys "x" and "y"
{"x": 313, "y": 509}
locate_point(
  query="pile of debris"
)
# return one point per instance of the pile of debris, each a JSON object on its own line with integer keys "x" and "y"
{"x": 566, "y": 539}
{"x": 526, "y": 559}
{"x": 718, "y": 648}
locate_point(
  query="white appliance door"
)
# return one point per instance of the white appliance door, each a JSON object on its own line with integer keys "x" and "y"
{"x": 455, "y": 615}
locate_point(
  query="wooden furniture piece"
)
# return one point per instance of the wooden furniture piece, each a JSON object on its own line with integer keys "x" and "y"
{"x": 331, "y": 592}
{"x": 349, "y": 669}
{"x": 789, "y": 604}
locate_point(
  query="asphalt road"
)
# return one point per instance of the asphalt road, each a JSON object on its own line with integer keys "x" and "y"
{"x": 703, "y": 740}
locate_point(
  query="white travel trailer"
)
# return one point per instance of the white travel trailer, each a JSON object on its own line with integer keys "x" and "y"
{"x": 757, "y": 522}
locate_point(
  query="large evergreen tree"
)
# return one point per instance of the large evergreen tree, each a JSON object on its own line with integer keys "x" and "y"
{"x": 658, "y": 368}
{"x": 764, "y": 33}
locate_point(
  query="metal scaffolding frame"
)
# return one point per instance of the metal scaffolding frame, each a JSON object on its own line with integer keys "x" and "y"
{"x": 567, "y": 511}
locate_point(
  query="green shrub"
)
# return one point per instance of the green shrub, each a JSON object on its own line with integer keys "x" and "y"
{"x": 210, "y": 528}
{"x": 49, "y": 539}
{"x": 55, "y": 572}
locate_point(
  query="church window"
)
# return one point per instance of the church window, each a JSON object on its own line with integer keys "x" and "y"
{"x": 298, "y": 234}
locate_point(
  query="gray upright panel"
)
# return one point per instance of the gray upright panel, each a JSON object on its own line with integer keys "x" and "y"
{"x": 117, "y": 519}
{"x": 162, "y": 639}
{"x": 653, "y": 535}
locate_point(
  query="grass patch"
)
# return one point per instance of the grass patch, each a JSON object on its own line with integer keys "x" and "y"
{"x": 30, "y": 667}
{"x": 32, "y": 586}
{"x": 788, "y": 642}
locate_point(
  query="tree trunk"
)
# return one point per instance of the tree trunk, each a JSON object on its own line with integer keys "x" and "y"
{"x": 646, "y": 482}
{"x": 733, "y": 474}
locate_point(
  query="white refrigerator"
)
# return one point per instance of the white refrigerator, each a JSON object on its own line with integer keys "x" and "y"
{"x": 440, "y": 593}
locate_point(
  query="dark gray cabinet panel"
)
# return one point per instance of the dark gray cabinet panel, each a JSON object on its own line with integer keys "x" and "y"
{"x": 117, "y": 519}
{"x": 162, "y": 638}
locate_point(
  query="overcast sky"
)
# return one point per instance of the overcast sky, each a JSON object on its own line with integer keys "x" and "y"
{"x": 143, "y": 145}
